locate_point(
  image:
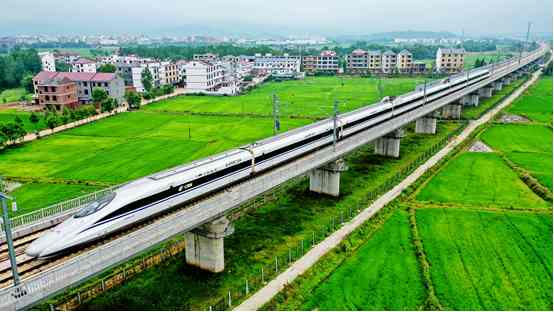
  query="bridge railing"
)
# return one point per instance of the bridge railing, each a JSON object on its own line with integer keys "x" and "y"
{"x": 61, "y": 207}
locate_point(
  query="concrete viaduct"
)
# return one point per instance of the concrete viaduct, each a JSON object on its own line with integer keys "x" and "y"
{"x": 205, "y": 222}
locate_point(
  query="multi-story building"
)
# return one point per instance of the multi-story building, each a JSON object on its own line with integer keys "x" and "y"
{"x": 277, "y": 64}
{"x": 309, "y": 64}
{"x": 450, "y": 60}
{"x": 203, "y": 76}
{"x": 328, "y": 62}
{"x": 170, "y": 73}
{"x": 388, "y": 62}
{"x": 86, "y": 82}
{"x": 325, "y": 62}
{"x": 67, "y": 56}
{"x": 357, "y": 62}
{"x": 419, "y": 67}
{"x": 374, "y": 61}
{"x": 83, "y": 65}
{"x": 404, "y": 62}
{"x": 207, "y": 57}
{"x": 48, "y": 61}
{"x": 156, "y": 71}
{"x": 181, "y": 71}
{"x": 57, "y": 93}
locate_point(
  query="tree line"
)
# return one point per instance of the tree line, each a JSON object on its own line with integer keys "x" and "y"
{"x": 18, "y": 67}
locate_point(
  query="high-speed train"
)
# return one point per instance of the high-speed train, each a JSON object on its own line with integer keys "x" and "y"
{"x": 146, "y": 197}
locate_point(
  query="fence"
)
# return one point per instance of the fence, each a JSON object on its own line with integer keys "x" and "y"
{"x": 280, "y": 263}
{"x": 117, "y": 277}
{"x": 58, "y": 208}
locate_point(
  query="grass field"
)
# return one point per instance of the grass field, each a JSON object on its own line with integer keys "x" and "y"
{"x": 529, "y": 146}
{"x": 480, "y": 179}
{"x": 262, "y": 234}
{"x": 382, "y": 275}
{"x": 8, "y": 115}
{"x": 313, "y": 96}
{"x": 537, "y": 102}
{"x": 12, "y": 95}
{"x": 32, "y": 196}
{"x": 489, "y": 261}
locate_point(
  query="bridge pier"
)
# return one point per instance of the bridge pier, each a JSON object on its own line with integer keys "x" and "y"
{"x": 389, "y": 145}
{"x": 204, "y": 245}
{"x": 452, "y": 111}
{"x": 486, "y": 92}
{"x": 326, "y": 180}
{"x": 426, "y": 124}
{"x": 497, "y": 85}
{"x": 470, "y": 100}
{"x": 506, "y": 80}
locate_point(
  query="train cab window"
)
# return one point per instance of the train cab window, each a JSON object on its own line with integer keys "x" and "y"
{"x": 96, "y": 205}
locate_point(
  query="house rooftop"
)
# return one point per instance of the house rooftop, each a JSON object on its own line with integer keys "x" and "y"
{"x": 96, "y": 77}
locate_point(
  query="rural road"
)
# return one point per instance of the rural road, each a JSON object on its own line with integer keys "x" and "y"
{"x": 261, "y": 297}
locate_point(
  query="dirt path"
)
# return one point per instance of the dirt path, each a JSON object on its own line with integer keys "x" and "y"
{"x": 261, "y": 297}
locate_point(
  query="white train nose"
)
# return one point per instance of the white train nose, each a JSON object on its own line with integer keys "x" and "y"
{"x": 44, "y": 245}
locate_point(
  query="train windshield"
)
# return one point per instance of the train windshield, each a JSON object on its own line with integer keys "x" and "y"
{"x": 95, "y": 205}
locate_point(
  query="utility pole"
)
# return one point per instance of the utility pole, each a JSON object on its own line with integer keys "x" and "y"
{"x": 276, "y": 122}
{"x": 9, "y": 240}
{"x": 425, "y": 91}
{"x": 335, "y": 114}
{"x": 526, "y": 42}
{"x": 380, "y": 88}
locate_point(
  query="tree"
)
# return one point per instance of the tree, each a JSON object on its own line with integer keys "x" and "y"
{"x": 168, "y": 89}
{"x": 108, "y": 104}
{"x": 13, "y": 131}
{"x": 52, "y": 121}
{"x": 133, "y": 99}
{"x": 107, "y": 68}
{"x": 99, "y": 95}
{"x": 34, "y": 119}
{"x": 147, "y": 80}
{"x": 62, "y": 66}
{"x": 27, "y": 83}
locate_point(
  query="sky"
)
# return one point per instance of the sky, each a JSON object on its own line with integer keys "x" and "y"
{"x": 293, "y": 17}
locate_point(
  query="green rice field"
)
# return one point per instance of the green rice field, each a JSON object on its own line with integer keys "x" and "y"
{"x": 537, "y": 102}
{"x": 383, "y": 274}
{"x": 529, "y": 146}
{"x": 480, "y": 179}
{"x": 313, "y": 96}
{"x": 487, "y": 260}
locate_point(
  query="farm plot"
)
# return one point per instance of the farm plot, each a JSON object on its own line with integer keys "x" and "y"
{"x": 313, "y": 96}
{"x": 529, "y": 146}
{"x": 487, "y": 260}
{"x": 382, "y": 275}
{"x": 480, "y": 179}
{"x": 536, "y": 104}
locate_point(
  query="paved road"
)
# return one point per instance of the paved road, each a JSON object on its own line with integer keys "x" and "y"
{"x": 261, "y": 297}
